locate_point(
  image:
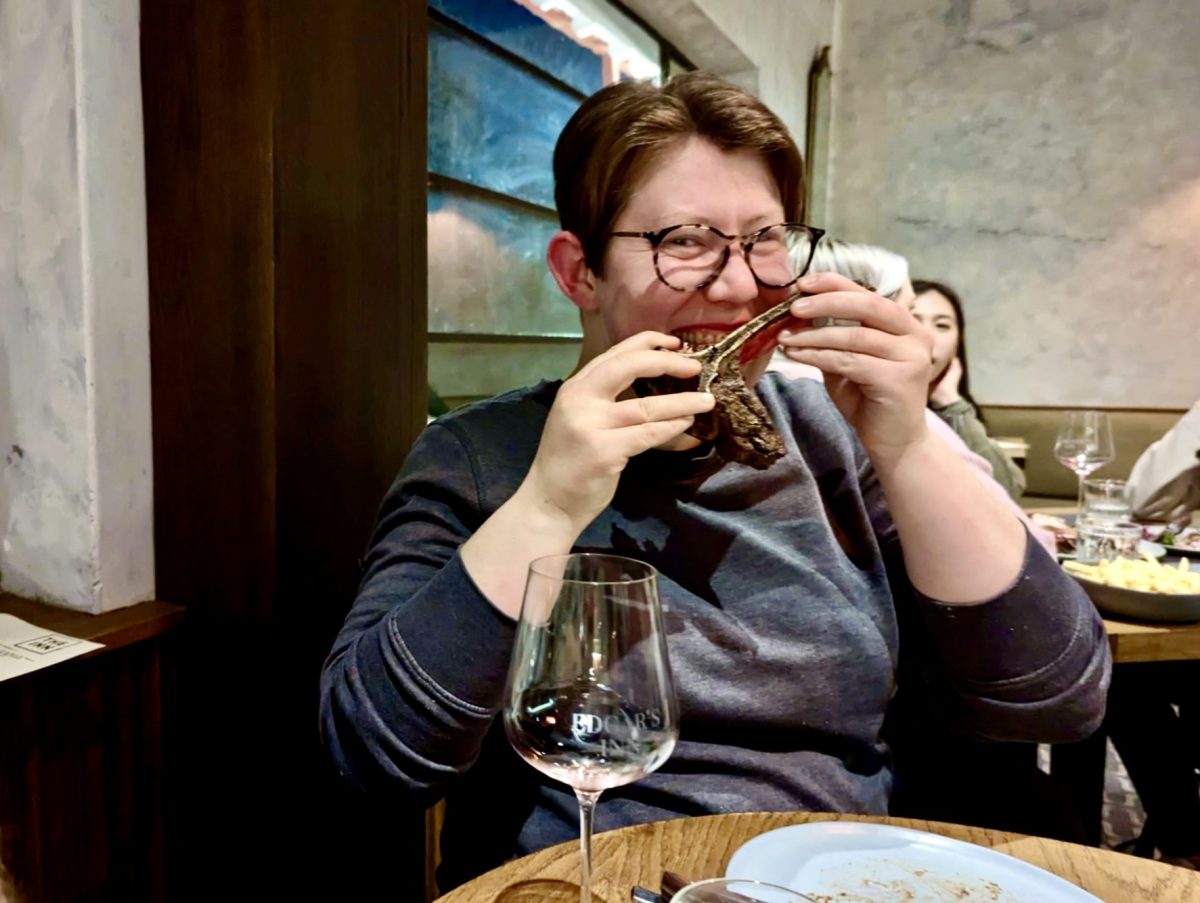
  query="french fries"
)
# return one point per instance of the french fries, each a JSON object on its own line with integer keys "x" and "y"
{"x": 1146, "y": 575}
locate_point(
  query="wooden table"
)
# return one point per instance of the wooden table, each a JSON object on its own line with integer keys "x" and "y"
{"x": 1080, "y": 766}
{"x": 1134, "y": 641}
{"x": 700, "y": 848}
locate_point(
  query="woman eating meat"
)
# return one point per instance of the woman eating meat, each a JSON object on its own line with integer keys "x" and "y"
{"x": 865, "y": 567}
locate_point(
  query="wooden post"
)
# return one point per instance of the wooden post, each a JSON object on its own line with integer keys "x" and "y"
{"x": 285, "y": 155}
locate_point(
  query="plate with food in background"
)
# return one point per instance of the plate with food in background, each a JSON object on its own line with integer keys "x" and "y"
{"x": 1146, "y": 589}
{"x": 1066, "y": 536}
{"x": 1061, "y": 528}
{"x": 1185, "y": 543}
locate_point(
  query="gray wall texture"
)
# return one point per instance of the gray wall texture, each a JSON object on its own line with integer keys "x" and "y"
{"x": 1042, "y": 157}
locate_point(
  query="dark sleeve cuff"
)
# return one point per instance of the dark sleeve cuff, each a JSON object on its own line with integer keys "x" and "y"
{"x": 1037, "y": 626}
{"x": 455, "y": 640}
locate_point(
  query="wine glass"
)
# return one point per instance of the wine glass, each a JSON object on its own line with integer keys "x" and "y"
{"x": 1084, "y": 444}
{"x": 590, "y": 701}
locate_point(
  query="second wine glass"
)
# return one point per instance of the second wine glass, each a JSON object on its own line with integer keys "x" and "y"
{"x": 742, "y": 890}
{"x": 590, "y": 700}
{"x": 1084, "y": 445}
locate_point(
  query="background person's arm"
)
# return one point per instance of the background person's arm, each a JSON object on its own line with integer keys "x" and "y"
{"x": 1166, "y": 459}
{"x": 960, "y": 416}
{"x": 983, "y": 470}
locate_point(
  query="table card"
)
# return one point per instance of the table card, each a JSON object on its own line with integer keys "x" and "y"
{"x": 25, "y": 647}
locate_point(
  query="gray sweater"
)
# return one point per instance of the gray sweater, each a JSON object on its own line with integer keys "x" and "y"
{"x": 786, "y": 600}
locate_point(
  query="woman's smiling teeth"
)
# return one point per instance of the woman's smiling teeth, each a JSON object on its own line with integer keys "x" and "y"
{"x": 698, "y": 339}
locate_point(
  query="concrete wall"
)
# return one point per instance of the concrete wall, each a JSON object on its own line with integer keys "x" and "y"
{"x": 75, "y": 453}
{"x": 1043, "y": 157}
{"x": 766, "y": 47}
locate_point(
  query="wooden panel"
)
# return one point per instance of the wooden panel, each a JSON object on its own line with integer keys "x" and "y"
{"x": 285, "y": 188}
{"x": 82, "y": 757}
{"x": 350, "y": 393}
{"x": 209, "y": 183}
{"x": 206, "y": 84}
{"x": 350, "y": 259}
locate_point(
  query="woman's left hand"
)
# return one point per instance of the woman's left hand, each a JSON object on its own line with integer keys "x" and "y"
{"x": 877, "y": 373}
{"x": 945, "y": 390}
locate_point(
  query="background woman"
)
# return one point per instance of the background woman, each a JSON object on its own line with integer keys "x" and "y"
{"x": 938, "y": 308}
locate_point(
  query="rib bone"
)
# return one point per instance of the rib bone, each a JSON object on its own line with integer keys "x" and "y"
{"x": 739, "y": 425}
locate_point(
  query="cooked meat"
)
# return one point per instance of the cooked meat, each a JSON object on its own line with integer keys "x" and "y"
{"x": 739, "y": 425}
{"x": 745, "y": 432}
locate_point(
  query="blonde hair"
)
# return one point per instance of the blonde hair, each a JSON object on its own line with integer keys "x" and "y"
{"x": 870, "y": 266}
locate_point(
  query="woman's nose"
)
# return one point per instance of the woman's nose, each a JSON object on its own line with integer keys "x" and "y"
{"x": 735, "y": 284}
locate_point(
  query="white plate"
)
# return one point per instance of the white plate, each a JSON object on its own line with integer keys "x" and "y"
{"x": 1153, "y": 549}
{"x": 849, "y": 862}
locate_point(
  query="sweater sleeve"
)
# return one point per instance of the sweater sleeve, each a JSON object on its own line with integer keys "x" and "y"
{"x": 1031, "y": 664}
{"x": 961, "y": 418}
{"x": 416, "y": 675}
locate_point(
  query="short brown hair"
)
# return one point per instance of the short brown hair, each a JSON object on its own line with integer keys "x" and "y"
{"x": 619, "y": 131}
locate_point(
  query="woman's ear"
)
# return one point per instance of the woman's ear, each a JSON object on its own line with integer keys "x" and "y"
{"x": 568, "y": 266}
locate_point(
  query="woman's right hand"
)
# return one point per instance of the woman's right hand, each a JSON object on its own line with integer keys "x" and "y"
{"x": 593, "y": 429}
{"x": 589, "y": 437}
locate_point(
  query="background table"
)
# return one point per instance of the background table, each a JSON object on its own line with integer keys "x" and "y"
{"x": 700, "y": 848}
{"x": 1139, "y": 641}
{"x": 1080, "y": 766}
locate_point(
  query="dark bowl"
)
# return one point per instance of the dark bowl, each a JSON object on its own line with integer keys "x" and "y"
{"x": 1177, "y": 608}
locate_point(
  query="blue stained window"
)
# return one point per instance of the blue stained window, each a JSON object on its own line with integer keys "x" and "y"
{"x": 490, "y": 123}
{"x": 503, "y": 81}
{"x": 487, "y": 270}
{"x": 518, "y": 30}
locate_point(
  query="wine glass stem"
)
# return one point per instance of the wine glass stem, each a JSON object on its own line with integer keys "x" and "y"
{"x": 1079, "y": 497}
{"x": 587, "y": 806}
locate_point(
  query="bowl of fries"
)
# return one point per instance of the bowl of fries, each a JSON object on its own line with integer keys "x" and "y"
{"x": 1145, "y": 588}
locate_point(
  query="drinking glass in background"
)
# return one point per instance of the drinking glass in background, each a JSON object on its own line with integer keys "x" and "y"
{"x": 1100, "y": 539}
{"x": 737, "y": 890}
{"x": 590, "y": 700}
{"x": 1107, "y": 500}
{"x": 1084, "y": 444}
